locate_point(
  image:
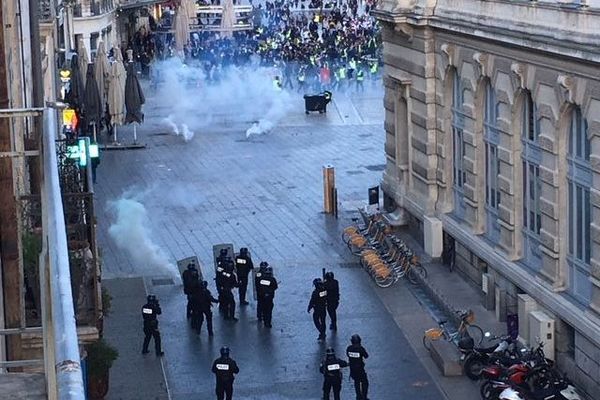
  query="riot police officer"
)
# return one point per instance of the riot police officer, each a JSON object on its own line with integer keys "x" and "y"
{"x": 318, "y": 303}
{"x": 228, "y": 282}
{"x": 224, "y": 369}
{"x": 331, "y": 368}
{"x": 221, "y": 277}
{"x": 221, "y": 259}
{"x": 150, "y": 311}
{"x": 356, "y": 354}
{"x": 206, "y": 300}
{"x": 243, "y": 265}
{"x": 333, "y": 298}
{"x": 268, "y": 286}
{"x": 190, "y": 278}
{"x": 259, "y": 305}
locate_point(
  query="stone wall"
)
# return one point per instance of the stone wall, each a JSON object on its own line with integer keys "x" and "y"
{"x": 422, "y": 56}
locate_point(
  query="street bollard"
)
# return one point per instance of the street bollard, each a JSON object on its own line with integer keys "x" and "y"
{"x": 328, "y": 185}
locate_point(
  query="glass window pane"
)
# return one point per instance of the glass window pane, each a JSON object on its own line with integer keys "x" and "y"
{"x": 525, "y": 196}
{"x": 586, "y": 226}
{"x": 571, "y": 219}
{"x": 578, "y": 217}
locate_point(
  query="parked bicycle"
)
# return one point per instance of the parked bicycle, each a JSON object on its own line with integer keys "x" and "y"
{"x": 466, "y": 329}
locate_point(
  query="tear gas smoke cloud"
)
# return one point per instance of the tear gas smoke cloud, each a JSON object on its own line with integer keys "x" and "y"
{"x": 131, "y": 233}
{"x": 242, "y": 94}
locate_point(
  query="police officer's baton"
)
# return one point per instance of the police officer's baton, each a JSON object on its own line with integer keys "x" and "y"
{"x": 323, "y": 273}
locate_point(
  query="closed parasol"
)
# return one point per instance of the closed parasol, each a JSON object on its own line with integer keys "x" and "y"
{"x": 84, "y": 59}
{"x": 182, "y": 28}
{"x": 134, "y": 99}
{"x": 228, "y": 19}
{"x": 91, "y": 100}
{"x": 116, "y": 94}
{"x": 101, "y": 69}
{"x": 76, "y": 88}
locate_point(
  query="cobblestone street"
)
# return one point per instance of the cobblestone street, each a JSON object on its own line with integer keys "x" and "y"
{"x": 266, "y": 194}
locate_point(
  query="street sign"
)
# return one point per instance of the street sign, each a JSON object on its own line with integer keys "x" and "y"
{"x": 70, "y": 119}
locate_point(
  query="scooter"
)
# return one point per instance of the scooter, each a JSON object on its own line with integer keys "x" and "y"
{"x": 561, "y": 390}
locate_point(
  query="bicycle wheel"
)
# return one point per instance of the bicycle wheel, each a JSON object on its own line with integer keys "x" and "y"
{"x": 476, "y": 333}
{"x": 416, "y": 274}
{"x": 384, "y": 282}
{"x": 427, "y": 342}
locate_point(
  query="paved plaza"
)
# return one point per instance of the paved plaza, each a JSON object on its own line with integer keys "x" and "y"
{"x": 265, "y": 193}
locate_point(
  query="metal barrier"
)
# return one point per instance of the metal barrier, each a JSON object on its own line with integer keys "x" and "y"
{"x": 61, "y": 362}
{"x": 66, "y": 358}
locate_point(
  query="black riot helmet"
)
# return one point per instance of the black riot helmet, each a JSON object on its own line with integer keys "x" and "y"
{"x": 244, "y": 251}
{"x": 355, "y": 339}
{"x": 204, "y": 284}
{"x": 151, "y": 298}
{"x": 224, "y": 351}
{"x": 223, "y": 252}
{"x": 329, "y": 275}
{"x": 264, "y": 264}
{"x": 191, "y": 266}
{"x": 330, "y": 352}
{"x": 317, "y": 282}
{"x": 269, "y": 271}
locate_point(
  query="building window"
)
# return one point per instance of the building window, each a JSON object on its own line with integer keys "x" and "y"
{"x": 492, "y": 163}
{"x": 531, "y": 184}
{"x": 579, "y": 181}
{"x": 458, "y": 146}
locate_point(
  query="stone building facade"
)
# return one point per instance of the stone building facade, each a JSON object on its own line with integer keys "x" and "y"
{"x": 493, "y": 143}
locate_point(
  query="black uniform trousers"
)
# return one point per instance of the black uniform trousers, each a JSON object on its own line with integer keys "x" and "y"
{"x": 149, "y": 333}
{"x": 259, "y": 308}
{"x": 361, "y": 383}
{"x": 229, "y": 304}
{"x": 209, "y": 325}
{"x": 197, "y": 320}
{"x": 224, "y": 390}
{"x": 332, "y": 311}
{"x": 329, "y": 384}
{"x": 319, "y": 320}
{"x": 267, "y": 309}
{"x": 243, "y": 283}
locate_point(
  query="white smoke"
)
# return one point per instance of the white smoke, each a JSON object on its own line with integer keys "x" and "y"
{"x": 194, "y": 100}
{"x": 185, "y": 131}
{"x": 131, "y": 233}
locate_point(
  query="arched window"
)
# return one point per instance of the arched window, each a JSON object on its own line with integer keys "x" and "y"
{"x": 579, "y": 181}
{"x": 492, "y": 164}
{"x": 458, "y": 146}
{"x": 531, "y": 184}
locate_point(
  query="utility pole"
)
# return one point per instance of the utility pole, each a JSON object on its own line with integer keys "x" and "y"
{"x": 9, "y": 236}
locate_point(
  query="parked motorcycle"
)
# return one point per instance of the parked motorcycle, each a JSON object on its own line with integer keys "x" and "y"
{"x": 477, "y": 358}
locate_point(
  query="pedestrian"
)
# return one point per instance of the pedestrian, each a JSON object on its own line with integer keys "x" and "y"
{"x": 331, "y": 368}
{"x": 221, "y": 258}
{"x": 318, "y": 303}
{"x": 268, "y": 286}
{"x": 228, "y": 283}
{"x": 259, "y": 302}
{"x": 189, "y": 277}
{"x": 333, "y": 298}
{"x": 224, "y": 369}
{"x": 243, "y": 265}
{"x": 356, "y": 355}
{"x": 150, "y": 311}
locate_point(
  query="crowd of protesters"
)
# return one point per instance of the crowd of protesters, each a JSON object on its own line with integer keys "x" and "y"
{"x": 308, "y": 45}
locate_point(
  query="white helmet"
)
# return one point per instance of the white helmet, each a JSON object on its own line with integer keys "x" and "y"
{"x": 510, "y": 394}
